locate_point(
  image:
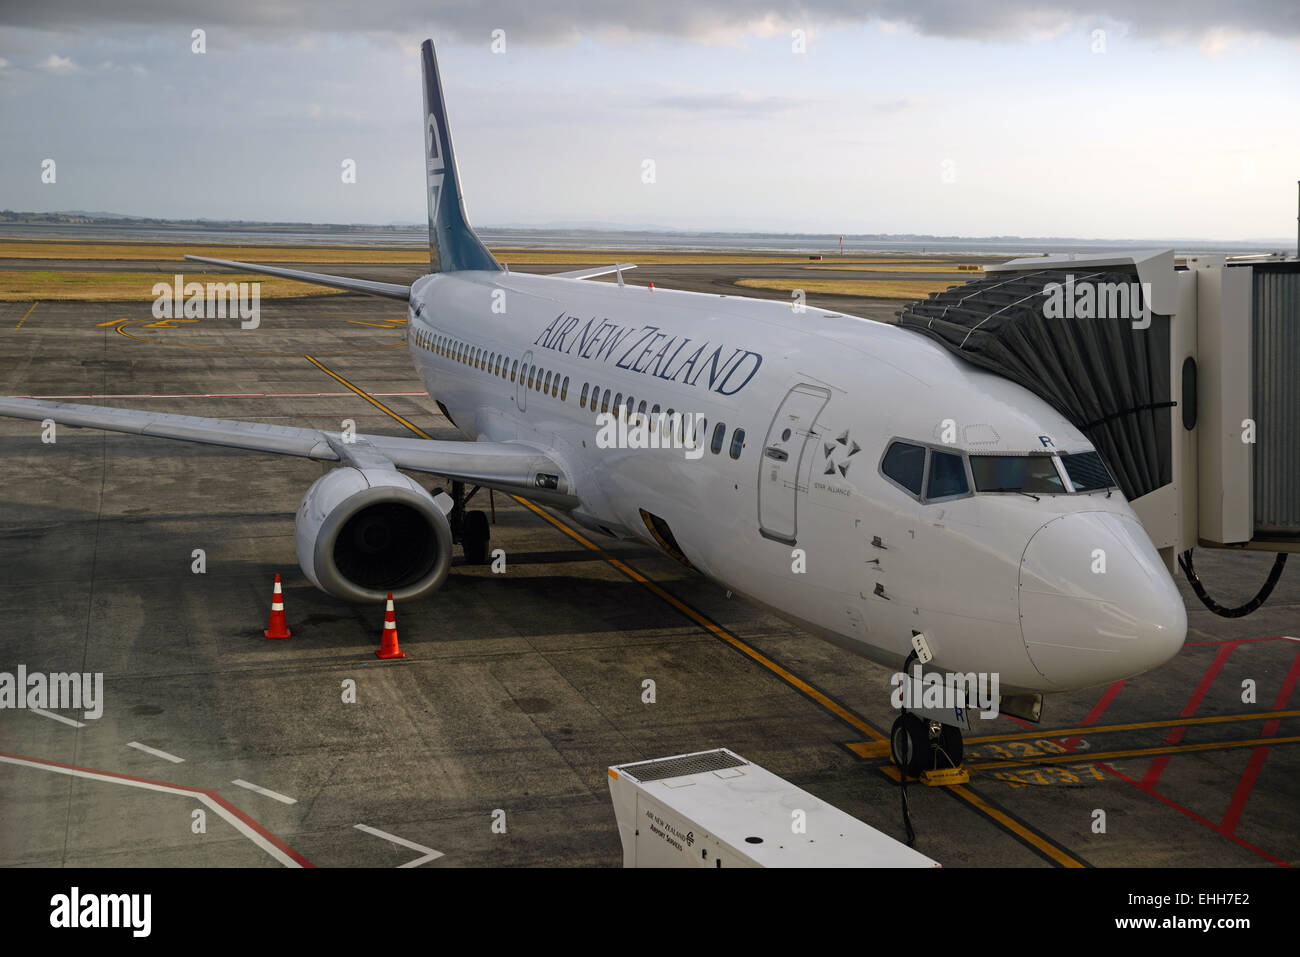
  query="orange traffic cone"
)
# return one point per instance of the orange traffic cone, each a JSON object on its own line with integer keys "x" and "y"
{"x": 278, "y": 628}
{"x": 388, "y": 647}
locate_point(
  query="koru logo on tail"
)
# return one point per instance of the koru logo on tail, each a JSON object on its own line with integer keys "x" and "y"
{"x": 436, "y": 167}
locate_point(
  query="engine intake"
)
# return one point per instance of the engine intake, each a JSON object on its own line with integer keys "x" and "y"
{"x": 363, "y": 532}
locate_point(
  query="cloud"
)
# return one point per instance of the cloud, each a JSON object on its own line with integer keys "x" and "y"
{"x": 58, "y": 65}
{"x": 744, "y": 102}
{"x": 705, "y": 21}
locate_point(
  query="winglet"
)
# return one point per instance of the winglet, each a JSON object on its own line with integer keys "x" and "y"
{"x": 453, "y": 245}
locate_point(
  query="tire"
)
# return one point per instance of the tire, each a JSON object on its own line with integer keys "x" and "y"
{"x": 909, "y": 744}
{"x": 475, "y": 538}
{"x": 950, "y": 741}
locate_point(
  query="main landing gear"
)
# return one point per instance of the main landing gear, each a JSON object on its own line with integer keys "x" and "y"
{"x": 469, "y": 529}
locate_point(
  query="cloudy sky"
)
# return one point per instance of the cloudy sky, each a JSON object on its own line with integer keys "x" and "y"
{"x": 1028, "y": 117}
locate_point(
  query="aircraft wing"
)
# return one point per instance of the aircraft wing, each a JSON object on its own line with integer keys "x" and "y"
{"x": 389, "y": 289}
{"x": 499, "y": 465}
{"x": 591, "y": 272}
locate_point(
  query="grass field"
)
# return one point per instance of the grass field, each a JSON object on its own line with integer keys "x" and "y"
{"x": 175, "y": 252}
{"x": 908, "y": 266}
{"x": 23, "y": 285}
{"x": 867, "y": 288}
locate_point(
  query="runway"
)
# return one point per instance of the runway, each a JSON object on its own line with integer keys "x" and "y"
{"x": 488, "y": 745}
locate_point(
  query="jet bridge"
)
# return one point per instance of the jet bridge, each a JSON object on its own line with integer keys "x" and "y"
{"x": 1183, "y": 372}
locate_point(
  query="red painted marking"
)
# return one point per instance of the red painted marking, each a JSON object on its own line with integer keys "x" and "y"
{"x": 1239, "y": 641}
{"x": 1195, "y": 817}
{"x": 1097, "y": 711}
{"x": 1189, "y": 710}
{"x": 297, "y": 858}
{"x": 107, "y": 774}
{"x": 1256, "y": 762}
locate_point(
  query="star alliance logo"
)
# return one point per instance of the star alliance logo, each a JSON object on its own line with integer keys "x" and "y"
{"x": 837, "y": 453}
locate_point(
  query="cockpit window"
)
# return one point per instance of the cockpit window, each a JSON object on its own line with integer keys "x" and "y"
{"x": 1015, "y": 473}
{"x": 905, "y": 464}
{"x": 1087, "y": 472}
{"x": 947, "y": 476}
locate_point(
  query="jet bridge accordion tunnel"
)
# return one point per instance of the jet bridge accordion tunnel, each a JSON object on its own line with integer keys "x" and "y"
{"x": 1184, "y": 373}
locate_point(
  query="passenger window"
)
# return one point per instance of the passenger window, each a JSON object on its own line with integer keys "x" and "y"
{"x": 618, "y": 404}
{"x": 641, "y": 408}
{"x": 737, "y": 443}
{"x": 905, "y": 464}
{"x": 564, "y": 390}
{"x": 719, "y": 436}
{"x": 555, "y": 386}
{"x": 547, "y": 387}
{"x": 947, "y": 476}
{"x": 582, "y": 399}
{"x": 538, "y": 387}
{"x": 604, "y": 402}
{"x": 514, "y": 367}
{"x": 530, "y": 376}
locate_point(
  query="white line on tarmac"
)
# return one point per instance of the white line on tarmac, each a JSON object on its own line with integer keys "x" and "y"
{"x": 429, "y": 853}
{"x": 233, "y": 820}
{"x": 57, "y": 717}
{"x": 264, "y": 791}
{"x": 154, "y": 751}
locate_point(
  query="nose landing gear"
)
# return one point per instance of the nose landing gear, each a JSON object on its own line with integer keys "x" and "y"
{"x": 927, "y": 750}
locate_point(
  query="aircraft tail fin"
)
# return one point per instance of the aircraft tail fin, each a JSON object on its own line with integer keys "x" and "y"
{"x": 453, "y": 244}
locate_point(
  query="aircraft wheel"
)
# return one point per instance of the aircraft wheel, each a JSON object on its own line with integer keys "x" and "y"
{"x": 909, "y": 744}
{"x": 950, "y": 741}
{"x": 475, "y": 538}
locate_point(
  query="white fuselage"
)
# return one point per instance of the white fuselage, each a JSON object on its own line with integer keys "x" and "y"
{"x": 803, "y": 521}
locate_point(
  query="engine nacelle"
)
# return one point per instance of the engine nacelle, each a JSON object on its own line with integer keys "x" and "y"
{"x": 363, "y": 532}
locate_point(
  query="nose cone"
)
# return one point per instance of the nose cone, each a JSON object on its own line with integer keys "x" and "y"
{"x": 1096, "y": 602}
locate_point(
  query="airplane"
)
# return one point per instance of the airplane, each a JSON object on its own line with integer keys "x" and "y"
{"x": 854, "y": 478}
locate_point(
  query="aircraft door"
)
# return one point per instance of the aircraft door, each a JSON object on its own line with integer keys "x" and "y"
{"x": 521, "y": 387}
{"x": 786, "y": 452}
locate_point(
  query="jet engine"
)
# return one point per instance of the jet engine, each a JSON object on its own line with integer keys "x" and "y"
{"x": 363, "y": 532}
